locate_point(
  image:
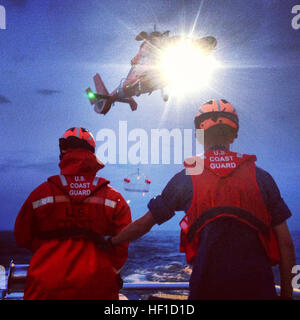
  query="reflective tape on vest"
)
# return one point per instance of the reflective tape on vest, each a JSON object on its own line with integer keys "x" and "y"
{"x": 61, "y": 199}
{"x": 95, "y": 182}
{"x": 110, "y": 203}
{"x": 63, "y": 180}
{"x": 42, "y": 202}
{"x": 96, "y": 200}
{"x": 99, "y": 200}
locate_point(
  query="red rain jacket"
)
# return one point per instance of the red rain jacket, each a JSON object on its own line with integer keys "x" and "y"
{"x": 60, "y": 221}
{"x": 227, "y": 187}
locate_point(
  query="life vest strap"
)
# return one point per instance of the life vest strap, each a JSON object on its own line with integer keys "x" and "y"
{"x": 234, "y": 212}
{"x": 71, "y": 233}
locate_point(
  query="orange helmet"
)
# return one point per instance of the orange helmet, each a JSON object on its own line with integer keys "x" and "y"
{"x": 216, "y": 112}
{"x": 77, "y": 138}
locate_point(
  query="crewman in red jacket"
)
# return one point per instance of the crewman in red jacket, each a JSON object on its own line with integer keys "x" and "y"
{"x": 63, "y": 222}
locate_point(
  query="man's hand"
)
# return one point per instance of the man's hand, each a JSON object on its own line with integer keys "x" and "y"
{"x": 135, "y": 230}
{"x": 104, "y": 242}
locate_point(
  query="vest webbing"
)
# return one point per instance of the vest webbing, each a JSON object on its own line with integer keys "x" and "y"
{"x": 70, "y": 233}
{"x": 235, "y": 212}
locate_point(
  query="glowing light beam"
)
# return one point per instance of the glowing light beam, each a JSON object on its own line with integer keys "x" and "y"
{"x": 185, "y": 68}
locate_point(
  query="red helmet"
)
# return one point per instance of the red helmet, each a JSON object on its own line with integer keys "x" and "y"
{"x": 77, "y": 138}
{"x": 216, "y": 112}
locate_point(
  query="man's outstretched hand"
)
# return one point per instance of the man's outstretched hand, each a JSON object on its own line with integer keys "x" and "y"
{"x": 104, "y": 242}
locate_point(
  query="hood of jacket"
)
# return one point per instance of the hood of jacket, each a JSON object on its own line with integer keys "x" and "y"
{"x": 80, "y": 162}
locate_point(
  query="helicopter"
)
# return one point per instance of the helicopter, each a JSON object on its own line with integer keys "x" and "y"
{"x": 145, "y": 75}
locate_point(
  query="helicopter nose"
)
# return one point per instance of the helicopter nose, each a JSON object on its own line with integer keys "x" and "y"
{"x": 211, "y": 41}
{"x": 207, "y": 43}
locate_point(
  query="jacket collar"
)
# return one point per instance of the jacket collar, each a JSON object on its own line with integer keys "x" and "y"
{"x": 214, "y": 148}
{"x": 80, "y": 161}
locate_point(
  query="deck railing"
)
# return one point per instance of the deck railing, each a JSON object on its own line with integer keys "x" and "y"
{"x": 17, "y": 276}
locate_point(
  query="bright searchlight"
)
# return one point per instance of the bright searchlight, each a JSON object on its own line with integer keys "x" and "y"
{"x": 185, "y": 68}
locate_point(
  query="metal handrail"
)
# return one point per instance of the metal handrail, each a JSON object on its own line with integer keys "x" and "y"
{"x": 155, "y": 286}
{"x": 17, "y": 278}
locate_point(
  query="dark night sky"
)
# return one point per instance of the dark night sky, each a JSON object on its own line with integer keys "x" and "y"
{"x": 51, "y": 50}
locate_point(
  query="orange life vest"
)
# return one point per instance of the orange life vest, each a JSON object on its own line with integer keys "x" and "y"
{"x": 74, "y": 206}
{"x": 224, "y": 185}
